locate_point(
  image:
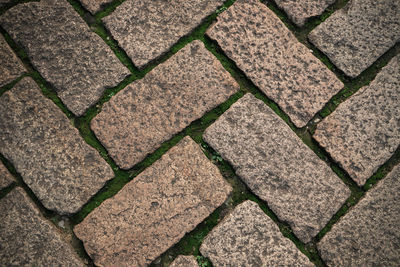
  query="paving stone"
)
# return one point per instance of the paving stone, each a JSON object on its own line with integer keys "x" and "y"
{"x": 248, "y": 237}
{"x": 94, "y": 6}
{"x": 10, "y": 66}
{"x": 65, "y": 51}
{"x": 155, "y": 210}
{"x": 5, "y": 177}
{"x": 277, "y": 166}
{"x": 150, "y": 111}
{"x": 146, "y": 29}
{"x": 184, "y": 261}
{"x": 53, "y": 159}
{"x": 368, "y": 235}
{"x": 27, "y": 239}
{"x": 364, "y": 131}
{"x": 355, "y": 36}
{"x": 284, "y": 69}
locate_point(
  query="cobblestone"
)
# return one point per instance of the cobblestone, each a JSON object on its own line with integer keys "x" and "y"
{"x": 94, "y": 6}
{"x": 10, "y": 66}
{"x": 5, "y": 177}
{"x": 184, "y": 261}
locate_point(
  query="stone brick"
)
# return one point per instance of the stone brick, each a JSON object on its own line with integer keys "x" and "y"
{"x": 5, "y": 177}
{"x": 94, "y": 6}
{"x": 355, "y": 36}
{"x": 150, "y": 111}
{"x": 10, "y": 66}
{"x": 364, "y": 131}
{"x": 65, "y": 51}
{"x": 270, "y": 55}
{"x": 155, "y": 210}
{"x": 184, "y": 261}
{"x": 277, "y": 166}
{"x": 53, "y": 159}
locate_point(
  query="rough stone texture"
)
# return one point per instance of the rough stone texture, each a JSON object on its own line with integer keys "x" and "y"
{"x": 277, "y": 166}
{"x": 358, "y": 34}
{"x": 364, "y": 131}
{"x": 65, "y": 51}
{"x": 369, "y": 234}
{"x": 94, "y": 6}
{"x": 155, "y": 210}
{"x": 248, "y": 237}
{"x": 146, "y": 29}
{"x": 270, "y": 55}
{"x": 150, "y": 111}
{"x": 184, "y": 261}
{"x": 27, "y": 239}
{"x": 10, "y": 66}
{"x": 5, "y": 177}
{"x": 52, "y": 158}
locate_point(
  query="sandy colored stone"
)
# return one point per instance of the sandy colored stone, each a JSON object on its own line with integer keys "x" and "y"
{"x": 53, "y": 159}
{"x": 355, "y": 36}
{"x": 94, "y": 6}
{"x": 60, "y": 45}
{"x": 5, "y": 177}
{"x": 150, "y": 111}
{"x": 368, "y": 235}
{"x": 10, "y": 66}
{"x": 248, "y": 237}
{"x": 270, "y": 55}
{"x": 146, "y": 29}
{"x": 27, "y": 239}
{"x": 155, "y": 210}
{"x": 277, "y": 166}
{"x": 364, "y": 131}
{"x": 184, "y": 261}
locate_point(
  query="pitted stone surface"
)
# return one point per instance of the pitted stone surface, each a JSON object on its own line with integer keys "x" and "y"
{"x": 248, "y": 237}
{"x": 27, "y": 239}
{"x": 277, "y": 166}
{"x": 184, "y": 261}
{"x": 10, "y": 66}
{"x": 94, "y": 5}
{"x": 150, "y": 111}
{"x": 5, "y": 177}
{"x": 364, "y": 131}
{"x": 358, "y": 34}
{"x": 270, "y": 55}
{"x": 155, "y": 210}
{"x": 146, "y": 29}
{"x": 65, "y": 51}
{"x": 54, "y": 161}
{"x": 369, "y": 234}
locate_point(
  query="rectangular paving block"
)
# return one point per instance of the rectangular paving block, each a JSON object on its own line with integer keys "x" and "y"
{"x": 369, "y": 234}
{"x": 10, "y": 66}
{"x": 27, "y": 239}
{"x": 5, "y": 177}
{"x": 248, "y": 237}
{"x": 364, "y": 131}
{"x": 277, "y": 166}
{"x": 53, "y": 159}
{"x": 94, "y": 6}
{"x": 270, "y": 55}
{"x": 150, "y": 111}
{"x": 60, "y": 45}
{"x": 146, "y": 29}
{"x": 355, "y": 36}
{"x": 155, "y": 210}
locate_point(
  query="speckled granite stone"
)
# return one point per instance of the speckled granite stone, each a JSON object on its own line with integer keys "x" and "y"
{"x": 364, "y": 131}
{"x": 355, "y": 36}
{"x": 94, "y": 6}
{"x": 27, "y": 239}
{"x": 5, "y": 177}
{"x": 10, "y": 66}
{"x": 60, "y": 45}
{"x": 146, "y": 29}
{"x": 270, "y": 55}
{"x": 53, "y": 159}
{"x": 184, "y": 261}
{"x": 277, "y": 166}
{"x": 155, "y": 210}
{"x": 150, "y": 111}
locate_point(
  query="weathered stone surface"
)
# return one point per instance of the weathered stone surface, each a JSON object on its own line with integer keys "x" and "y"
{"x": 146, "y": 29}
{"x": 270, "y": 55}
{"x": 155, "y": 210}
{"x": 150, "y": 111}
{"x": 52, "y": 158}
{"x": 10, "y": 66}
{"x": 358, "y": 34}
{"x": 5, "y": 177}
{"x": 248, "y": 237}
{"x": 369, "y": 234}
{"x": 184, "y": 261}
{"x": 27, "y": 239}
{"x": 364, "y": 131}
{"x": 277, "y": 166}
{"x": 94, "y": 5}
{"x": 65, "y": 51}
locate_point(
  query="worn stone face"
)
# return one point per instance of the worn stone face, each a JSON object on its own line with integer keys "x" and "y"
{"x": 94, "y": 6}
{"x": 270, "y": 55}
{"x": 5, "y": 177}
{"x": 155, "y": 210}
{"x": 27, "y": 239}
{"x": 146, "y": 29}
{"x": 10, "y": 66}
{"x": 184, "y": 261}
{"x": 277, "y": 166}
{"x": 54, "y": 161}
{"x": 152, "y": 110}
{"x": 355, "y": 36}
{"x": 364, "y": 131}
{"x": 65, "y": 51}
